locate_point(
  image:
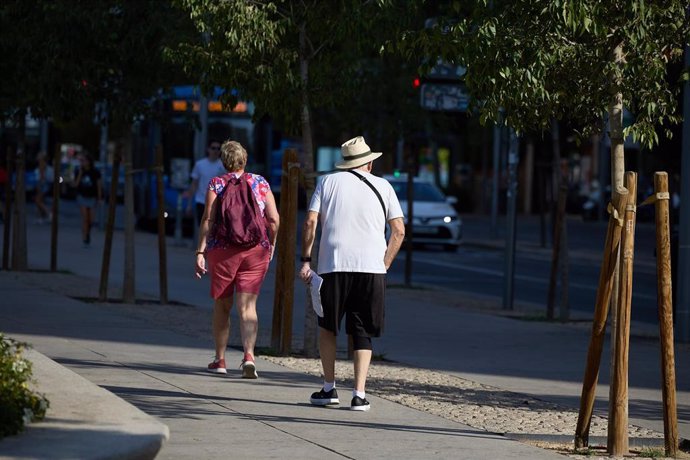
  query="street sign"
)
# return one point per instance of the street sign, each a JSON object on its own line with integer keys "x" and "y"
{"x": 445, "y": 71}
{"x": 443, "y": 97}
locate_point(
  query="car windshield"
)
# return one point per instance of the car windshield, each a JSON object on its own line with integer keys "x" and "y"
{"x": 423, "y": 191}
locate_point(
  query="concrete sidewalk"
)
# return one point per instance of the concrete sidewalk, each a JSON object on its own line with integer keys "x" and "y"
{"x": 161, "y": 372}
{"x": 158, "y": 368}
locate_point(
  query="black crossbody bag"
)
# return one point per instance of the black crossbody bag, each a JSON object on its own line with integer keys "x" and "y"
{"x": 378, "y": 195}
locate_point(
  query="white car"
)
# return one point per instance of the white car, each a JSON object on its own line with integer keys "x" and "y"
{"x": 434, "y": 218}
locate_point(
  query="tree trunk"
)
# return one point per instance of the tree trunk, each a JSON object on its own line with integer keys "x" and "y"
{"x": 7, "y": 211}
{"x": 109, "y": 228}
{"x": 55, "y": 210}
{"x": 128, "y": 288}
{"x": 307, "y": 161}
{"x": 617, "y": 178}
{"x": 529, "y": 177}
{"x": 19, "y": 251}
{"x": 162, "y": 248}
{"x": 556, "y": 253}
{"x": 616, "y": 129}
{"x": 560, "y": 241}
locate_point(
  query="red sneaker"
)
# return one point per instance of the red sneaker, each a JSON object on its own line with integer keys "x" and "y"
{"x": 248, "y": 367}
{"x": 217, "y": 366}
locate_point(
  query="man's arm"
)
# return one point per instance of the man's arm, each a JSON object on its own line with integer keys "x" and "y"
{"x": 308, "y": 237}
{"x": 395, "y": 240}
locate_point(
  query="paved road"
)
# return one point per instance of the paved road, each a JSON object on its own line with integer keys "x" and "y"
{"x": 480, "y": 269}
{"x": 477, "y": 267}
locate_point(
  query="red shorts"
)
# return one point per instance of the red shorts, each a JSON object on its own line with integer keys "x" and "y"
{"x": 237, "y": 270}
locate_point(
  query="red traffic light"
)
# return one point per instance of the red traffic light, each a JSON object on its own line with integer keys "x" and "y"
{"x": 416, "y": 83}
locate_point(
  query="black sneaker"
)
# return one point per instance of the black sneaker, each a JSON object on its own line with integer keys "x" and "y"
{"x": 324, "y": 398}
{"x": 359, "y": 404}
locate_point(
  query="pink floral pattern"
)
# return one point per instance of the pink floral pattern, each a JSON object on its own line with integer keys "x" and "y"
{"x": 260, "y": 188}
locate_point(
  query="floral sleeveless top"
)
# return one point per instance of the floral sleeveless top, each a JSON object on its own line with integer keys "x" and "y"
{"x": 260, "y": 188}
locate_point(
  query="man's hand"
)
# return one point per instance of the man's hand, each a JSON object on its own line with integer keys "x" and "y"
{"x": 305, "y": 273}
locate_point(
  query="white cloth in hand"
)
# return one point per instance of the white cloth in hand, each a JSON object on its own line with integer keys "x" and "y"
{"x": 315, "y": 291}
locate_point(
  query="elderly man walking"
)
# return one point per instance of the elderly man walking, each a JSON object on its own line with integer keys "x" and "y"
{"x": 353, "y": 207}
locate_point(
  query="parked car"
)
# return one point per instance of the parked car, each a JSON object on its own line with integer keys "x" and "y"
{"x": 435, "y": 221}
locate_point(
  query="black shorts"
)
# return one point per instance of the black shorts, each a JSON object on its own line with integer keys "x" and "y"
{"x": 358, "y": 296}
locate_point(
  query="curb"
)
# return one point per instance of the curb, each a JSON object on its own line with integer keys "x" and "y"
{"x": 83, "y": 421}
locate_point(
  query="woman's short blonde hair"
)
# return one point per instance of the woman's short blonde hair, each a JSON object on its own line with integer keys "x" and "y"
{"x": 233, "y": 156}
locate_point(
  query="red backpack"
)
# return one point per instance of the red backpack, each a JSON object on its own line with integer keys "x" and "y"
{"x": 238, "y": 220}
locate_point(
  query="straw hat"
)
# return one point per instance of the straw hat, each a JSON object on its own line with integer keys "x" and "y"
{"x": 356, "y": 153}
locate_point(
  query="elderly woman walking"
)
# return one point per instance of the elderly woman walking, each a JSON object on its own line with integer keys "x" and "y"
{"x": 234, "y": 267}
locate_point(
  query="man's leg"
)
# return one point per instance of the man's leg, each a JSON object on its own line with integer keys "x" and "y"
{"x": 362, "y": 355}
{"x": 328, "y": 395}
{"x": 362, "y": 360}
{"x": 249, "y": 323}
{"x": 221, "y": 325}
{"x": 327, "y": 347}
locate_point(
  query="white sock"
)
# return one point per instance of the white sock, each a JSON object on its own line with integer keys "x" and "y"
{"x": 328, "y": 386}
{"x": 361, "y": 394}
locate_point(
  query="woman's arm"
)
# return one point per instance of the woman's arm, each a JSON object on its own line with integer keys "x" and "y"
{"x": 209, "y": 210}
{"x": 272, "y": 217}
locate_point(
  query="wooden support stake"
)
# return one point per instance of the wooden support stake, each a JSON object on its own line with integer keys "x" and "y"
{"x": 281, "y": 333}
{"x": 664, "y": 301}
{"x": 277, "y": 320}
{"x": 289, "y": 221}
{"x": 55, "y": 210}
{"x": 7, "y": 212}
{"x": 618, "y": 416}
{"x": 109, "y": 228}
{"x": 162, "y": 254}
{"x": 555, "y": 255}
{"x": 601, "y": 309}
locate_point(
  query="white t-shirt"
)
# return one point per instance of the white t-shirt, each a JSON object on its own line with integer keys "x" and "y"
{"x": 352, "y": 222}
{"x": 204, "y": 170}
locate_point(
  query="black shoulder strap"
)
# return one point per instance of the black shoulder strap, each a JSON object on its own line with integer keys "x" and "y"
{"x": 378, "y": 195}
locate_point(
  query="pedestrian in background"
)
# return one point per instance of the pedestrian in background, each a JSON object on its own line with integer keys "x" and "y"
{"x": 89, "y": 194}
{"x": 353, "y": 208}
{"x": 44, "y": 184}
{"x": 234, "y": 269}
{"x": 204, "y": 170}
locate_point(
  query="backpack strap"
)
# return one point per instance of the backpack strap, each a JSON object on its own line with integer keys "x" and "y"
{"x": 378, "y": 195}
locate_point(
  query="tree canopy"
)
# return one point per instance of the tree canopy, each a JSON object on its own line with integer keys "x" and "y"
{"x": 529, "y": 62}
{"x": 60, "y": 57}
{"x": 260, "y": 48}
